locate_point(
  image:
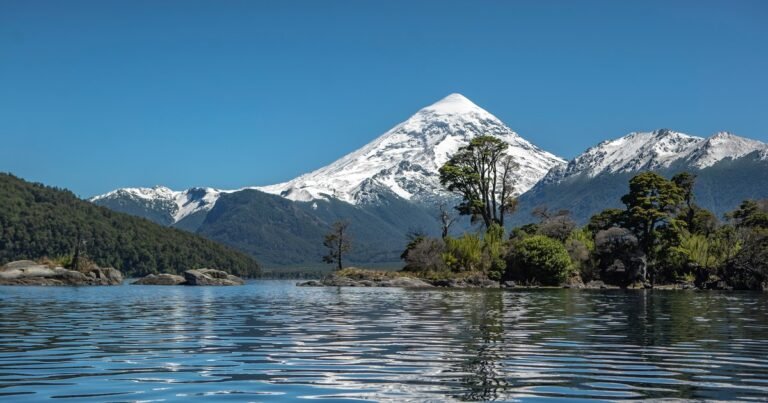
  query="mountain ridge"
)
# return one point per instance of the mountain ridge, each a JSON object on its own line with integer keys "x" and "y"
{"x": 404, "y": 160}
{"x": 390, "y": 187}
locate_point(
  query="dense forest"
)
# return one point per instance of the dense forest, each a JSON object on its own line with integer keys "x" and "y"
{"x": 660, "y": 236}
{"x": 37, "y": 221}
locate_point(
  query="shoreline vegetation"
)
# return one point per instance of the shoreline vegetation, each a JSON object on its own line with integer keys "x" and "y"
{"x": 661, "y": 239}
{"x": 359, "y": 277}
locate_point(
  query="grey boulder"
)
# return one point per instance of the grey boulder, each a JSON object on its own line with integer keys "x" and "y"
{"x": 160, "y": 279}
{"x": 211, "y": 277}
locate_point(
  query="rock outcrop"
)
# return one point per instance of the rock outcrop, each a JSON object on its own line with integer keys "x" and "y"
{"x": 467, "y": 282}
{"x": 27, "y": 272}
{"x": 160, "y": 279}
{"x": 192, "y": 277}
{"x": 341, "y": 281}
{"x": 211, "y": 277}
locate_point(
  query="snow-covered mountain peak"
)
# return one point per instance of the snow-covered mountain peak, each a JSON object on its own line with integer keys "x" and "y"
{"x": 658, "y": 149}
{"x": 455, "y": 104}
{"x": 176, "y": 204}
{"x": 723, "y": 145}
{"x": 405, "y": 160}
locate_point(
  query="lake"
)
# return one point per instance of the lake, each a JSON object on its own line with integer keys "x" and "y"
{"x": 271, "y": 341}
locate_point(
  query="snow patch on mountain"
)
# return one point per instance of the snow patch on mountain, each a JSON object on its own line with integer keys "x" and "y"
{"x": 722, "y": 146}
{"x": 405, "y": 160}
{"x": 655, "y": 150}
{"x": 177, "y": 204}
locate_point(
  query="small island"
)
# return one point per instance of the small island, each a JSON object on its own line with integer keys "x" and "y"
{"x": 661, "y": 239}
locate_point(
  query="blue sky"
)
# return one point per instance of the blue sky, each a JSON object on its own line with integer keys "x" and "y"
{"x": 105, "y": 94}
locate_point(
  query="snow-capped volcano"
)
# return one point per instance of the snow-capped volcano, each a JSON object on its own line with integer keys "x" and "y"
{"x": 406, "y": 159}
{"x": 656, "y": 150}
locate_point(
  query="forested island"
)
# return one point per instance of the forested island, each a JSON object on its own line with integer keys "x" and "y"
{"x": 661, "y": 237}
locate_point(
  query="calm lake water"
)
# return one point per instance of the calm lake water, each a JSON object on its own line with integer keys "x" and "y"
{"x": 271, "y": 341}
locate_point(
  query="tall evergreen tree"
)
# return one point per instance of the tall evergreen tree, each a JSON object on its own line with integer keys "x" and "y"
{"x": 652, "y": 203}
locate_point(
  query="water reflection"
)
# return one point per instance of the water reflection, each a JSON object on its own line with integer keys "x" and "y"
{"x": 271, "y": 341}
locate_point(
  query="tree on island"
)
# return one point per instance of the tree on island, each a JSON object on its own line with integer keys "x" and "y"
{"x": 338, "y": 243}
{"x": 481, "y": 173}
{"x": 652, "y": 206}
{"x": 446, "y": 221}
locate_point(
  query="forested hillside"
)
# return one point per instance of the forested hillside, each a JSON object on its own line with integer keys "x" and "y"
{"x": 40, "y": 221}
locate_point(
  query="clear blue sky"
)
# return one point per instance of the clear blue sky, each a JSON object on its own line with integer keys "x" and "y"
{"x": 105, "y": 94}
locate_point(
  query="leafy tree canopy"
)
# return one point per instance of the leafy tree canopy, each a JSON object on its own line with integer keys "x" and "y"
{"x": 481, "y": 173}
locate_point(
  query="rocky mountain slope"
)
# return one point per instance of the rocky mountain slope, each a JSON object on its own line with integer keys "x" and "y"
{"x": 729, "y": 169}
{"x": 161, "y": 204}
{"x": 405, "y": 160}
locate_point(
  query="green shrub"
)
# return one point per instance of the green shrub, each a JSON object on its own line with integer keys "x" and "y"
{"x": 581, "y": 248}
{"x": 539, "y": 259}
{"x": 464, "y": 253}
{"x": 494, "y": 248}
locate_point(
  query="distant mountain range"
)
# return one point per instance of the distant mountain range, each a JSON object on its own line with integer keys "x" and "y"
{"x": 729, "y": 169}
{"x": 391, "y": 186}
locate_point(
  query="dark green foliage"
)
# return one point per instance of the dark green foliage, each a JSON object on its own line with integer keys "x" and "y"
{"x": 702, "y": 221}
{"x": 538, "y": 259}
{"x": 685, "y": 182}
{"x": 464, "y": 253}
{"x": 469, "y": 253}
{"x": 751, "y": 214}
{"x": 748, "y": 270}
{"x": 622, "y": 261}
{"x": 38, "y": 221}
{"x": 581, "y": 248}
{"x": 494, "y": 249}
{"x": 606, "y": 219}
{"x": 481, "y": 173}
{"x": 652, "y": 204}
{"x": 524, "y": 231}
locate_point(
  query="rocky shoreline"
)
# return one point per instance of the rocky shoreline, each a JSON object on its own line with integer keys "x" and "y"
{"x": 195, "y": 277}
{"x": 365, "y": 278}
{"x": 27, "y": 272}
{"x": 354, "y": 277}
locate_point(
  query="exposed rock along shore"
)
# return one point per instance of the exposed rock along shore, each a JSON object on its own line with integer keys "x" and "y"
{"x": 27, "y": 272}
{"x": 401, "y": 281}
{"x": 468, "y": 282}
{"x": 192, "y": 277}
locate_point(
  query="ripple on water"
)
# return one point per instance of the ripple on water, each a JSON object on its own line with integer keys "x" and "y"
{"x": 272, "y": 341}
